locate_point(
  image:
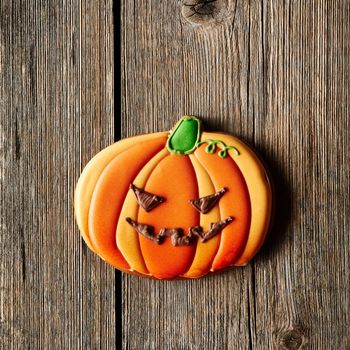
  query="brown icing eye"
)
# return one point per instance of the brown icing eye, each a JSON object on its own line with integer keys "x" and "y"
{"x": 146, "y": 200}
{"x": 205, "y": 204}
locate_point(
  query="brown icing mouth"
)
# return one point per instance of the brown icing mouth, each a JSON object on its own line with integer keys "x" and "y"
{"x": 178, "y": 238}
{"x": 215, "y": 228}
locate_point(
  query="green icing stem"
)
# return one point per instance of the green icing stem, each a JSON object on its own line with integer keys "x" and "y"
{"x": 212, "y": 144}
{"x": 185, "y": 136}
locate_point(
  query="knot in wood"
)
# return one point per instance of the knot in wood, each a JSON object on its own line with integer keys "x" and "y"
{"x": 205, "y": 12}
{"x": 291, "y": 339}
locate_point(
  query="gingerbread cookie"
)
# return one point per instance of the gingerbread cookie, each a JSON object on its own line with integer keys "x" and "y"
{"x": 175, "y": 205}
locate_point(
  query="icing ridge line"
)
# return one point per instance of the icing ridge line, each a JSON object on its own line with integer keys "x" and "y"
{"x": 140, "y": 179}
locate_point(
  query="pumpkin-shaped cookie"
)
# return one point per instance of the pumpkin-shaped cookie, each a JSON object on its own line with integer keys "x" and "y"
{"x": 174, "y": 205}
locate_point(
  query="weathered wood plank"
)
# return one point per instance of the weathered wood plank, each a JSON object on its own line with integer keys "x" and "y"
{"x": 56, "y": 79}
{"x": 277, "y": 74}
{"x": 172, "y": 69}
{"x": 302, "y": 286}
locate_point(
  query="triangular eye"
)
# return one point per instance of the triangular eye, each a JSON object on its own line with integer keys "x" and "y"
{"x": 205, "y": 204}
{"x": 146, "y": 200}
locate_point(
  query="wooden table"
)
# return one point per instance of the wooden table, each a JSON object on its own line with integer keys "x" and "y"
{"x": 275, "y": 73}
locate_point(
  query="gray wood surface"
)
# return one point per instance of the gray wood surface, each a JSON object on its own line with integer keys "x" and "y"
{"x": 56, "y": 76}
{"x": 275, "y": 73}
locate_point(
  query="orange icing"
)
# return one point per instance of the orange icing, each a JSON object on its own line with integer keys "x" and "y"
{"x": 109, "y": 195}
{"x": 175, "y": 180}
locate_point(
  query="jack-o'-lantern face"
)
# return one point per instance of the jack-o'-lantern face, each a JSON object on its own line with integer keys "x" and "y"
{"x": 149, "y": 201}
{"x": 178, "y": 205}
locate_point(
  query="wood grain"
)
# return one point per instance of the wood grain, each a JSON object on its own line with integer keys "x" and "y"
{"x": 275, "y": 73}
{"x": 56, "y": 74}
